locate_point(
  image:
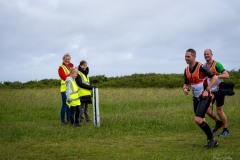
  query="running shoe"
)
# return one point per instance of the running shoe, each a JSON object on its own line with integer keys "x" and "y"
{"x": 212, "y": 143}
{"x": 224, "y": 133}
{"x": 217, "y": 127}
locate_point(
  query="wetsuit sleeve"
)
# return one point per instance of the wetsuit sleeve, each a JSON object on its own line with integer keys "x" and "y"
{"x": 206, "y": 71}
{"x": 185, "y": 78}
{"x": 219, "y": 67}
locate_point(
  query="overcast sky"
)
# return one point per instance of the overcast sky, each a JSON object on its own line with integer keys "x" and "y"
{"x": 115, "y": 37}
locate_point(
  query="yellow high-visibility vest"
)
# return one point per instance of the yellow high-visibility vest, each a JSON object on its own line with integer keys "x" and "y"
{"x": 75, "y": 101}
{"x": 83, "y": 91}
{"x": 63, "y": 85}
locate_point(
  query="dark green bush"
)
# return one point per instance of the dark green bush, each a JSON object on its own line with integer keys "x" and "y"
{"x": 132, "y": 81}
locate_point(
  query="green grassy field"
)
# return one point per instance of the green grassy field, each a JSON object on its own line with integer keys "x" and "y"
{"x": 135, "y": 124}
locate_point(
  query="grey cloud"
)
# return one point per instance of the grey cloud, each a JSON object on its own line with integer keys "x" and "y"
{"x": 115, "y": 37}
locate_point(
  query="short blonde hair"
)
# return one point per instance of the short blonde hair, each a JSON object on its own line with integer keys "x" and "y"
{"x": 66, "y": 55}
{"x": 73, "y": 70}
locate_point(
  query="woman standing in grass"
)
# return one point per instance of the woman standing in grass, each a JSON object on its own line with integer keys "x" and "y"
{"x": 64, "y": 72}
{"x": 85, "y": 90}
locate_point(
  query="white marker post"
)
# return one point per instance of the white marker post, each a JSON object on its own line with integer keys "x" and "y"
{"x": 96, "y": 116}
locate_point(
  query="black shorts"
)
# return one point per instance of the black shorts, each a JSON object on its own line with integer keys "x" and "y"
{"x": 219, "y": 98}
{"x": 200, "y": 106}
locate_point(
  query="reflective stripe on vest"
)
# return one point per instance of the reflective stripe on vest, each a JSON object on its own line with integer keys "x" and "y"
{"x": 85, "y": 80}
{"x": 195, "y": 80}
{"x": 213, "y": 69}
{"x": 73, "y": 93}
{"x": 63, "y": 85}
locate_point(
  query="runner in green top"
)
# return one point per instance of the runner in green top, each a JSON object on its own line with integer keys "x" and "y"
{"x": 218, "y": 69}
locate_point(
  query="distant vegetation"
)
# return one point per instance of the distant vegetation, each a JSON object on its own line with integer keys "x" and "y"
{"x": 134, "y": 81}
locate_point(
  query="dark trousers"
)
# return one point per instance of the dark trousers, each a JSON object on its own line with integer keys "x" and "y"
{"x": 84, "y": 111}
{"x": 74, "y": 116}
{"x": 65, "y": 109}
